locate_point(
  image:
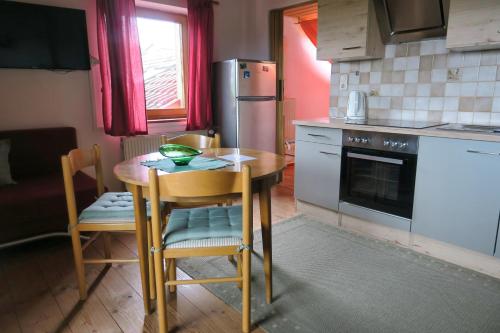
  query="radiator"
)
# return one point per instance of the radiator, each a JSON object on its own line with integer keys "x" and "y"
{"x": 140, "y": 145}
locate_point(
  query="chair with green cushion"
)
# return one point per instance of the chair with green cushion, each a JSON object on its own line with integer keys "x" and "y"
{"x": 202, "y": 231}
{"x": 111, "y": 212}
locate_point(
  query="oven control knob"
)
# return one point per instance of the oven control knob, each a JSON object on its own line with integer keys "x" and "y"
{"x": 387, "y": 143}
{"x": 394, "y": 144}
{"x": 364, "y": 140}
{"x": 403, "y": 145}
{"x": 350, "y": 139}
{"x": 357, "y": 139}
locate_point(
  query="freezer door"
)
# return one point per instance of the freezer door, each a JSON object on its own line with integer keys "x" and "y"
{"x": 257, "y": 125}
{"x": 256, "y": 79}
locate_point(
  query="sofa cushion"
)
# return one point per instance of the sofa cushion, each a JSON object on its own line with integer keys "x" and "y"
{"x": 38, "y": 205}
{"x": 35, "y": 153}
{"x": 5, "y": 176}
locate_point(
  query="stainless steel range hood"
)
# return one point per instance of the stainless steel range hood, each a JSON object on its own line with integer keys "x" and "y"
{"x": 411, "y": 20}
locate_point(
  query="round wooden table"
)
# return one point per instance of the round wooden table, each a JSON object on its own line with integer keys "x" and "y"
{"x": 266, "y": 171}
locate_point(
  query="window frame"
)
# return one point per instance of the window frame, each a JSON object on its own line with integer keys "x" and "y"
{"x": 174, "y": 113}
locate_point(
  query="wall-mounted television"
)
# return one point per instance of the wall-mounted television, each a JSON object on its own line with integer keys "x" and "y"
{"x": 34, "y": 36}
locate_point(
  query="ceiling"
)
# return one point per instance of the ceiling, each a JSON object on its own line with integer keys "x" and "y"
{"x": 304, "y": 12}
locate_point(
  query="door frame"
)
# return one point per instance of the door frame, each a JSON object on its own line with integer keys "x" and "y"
{"x": 277, "y": 55}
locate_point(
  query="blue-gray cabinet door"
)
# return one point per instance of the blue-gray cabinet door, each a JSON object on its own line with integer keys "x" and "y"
{"x": 317, "y": 173}
{"x": 457, "y": 192}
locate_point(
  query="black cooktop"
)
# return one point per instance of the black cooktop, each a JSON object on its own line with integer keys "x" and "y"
{"x": 394, "y": 123}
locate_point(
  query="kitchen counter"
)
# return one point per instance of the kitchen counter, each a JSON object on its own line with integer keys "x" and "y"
{"x": 433, "y": 131}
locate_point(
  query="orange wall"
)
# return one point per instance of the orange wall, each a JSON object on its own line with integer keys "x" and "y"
{"x": 307, "y": 80}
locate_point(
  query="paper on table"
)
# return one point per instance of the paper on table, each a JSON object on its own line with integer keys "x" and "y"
{"x": 236, "y": 158}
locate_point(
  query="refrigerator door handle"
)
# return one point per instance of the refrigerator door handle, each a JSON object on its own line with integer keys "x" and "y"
{"x": 255, "y": 98}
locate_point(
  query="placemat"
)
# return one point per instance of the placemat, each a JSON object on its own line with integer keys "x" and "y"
{"x": 198, "y": 163}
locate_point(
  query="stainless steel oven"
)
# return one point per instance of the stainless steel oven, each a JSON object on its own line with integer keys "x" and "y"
{"x": 378, "y": 171}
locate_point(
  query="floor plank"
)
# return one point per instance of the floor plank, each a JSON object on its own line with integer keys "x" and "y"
{"x": 38, "y": 289}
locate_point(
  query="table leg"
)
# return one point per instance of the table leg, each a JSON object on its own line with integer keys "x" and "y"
{"x": 142, "y": 242}
{"x": 265, "y": 218}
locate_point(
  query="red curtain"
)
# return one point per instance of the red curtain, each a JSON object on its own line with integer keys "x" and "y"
{"x": 310, "y": 28}
{"x": 200, "y": 30}
{"x": 123, "y": 97}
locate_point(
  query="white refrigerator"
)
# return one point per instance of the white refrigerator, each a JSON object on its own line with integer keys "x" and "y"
{"x": 245, "y": 103}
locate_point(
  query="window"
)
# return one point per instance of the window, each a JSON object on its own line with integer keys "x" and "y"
{"x": 163, "y": 39}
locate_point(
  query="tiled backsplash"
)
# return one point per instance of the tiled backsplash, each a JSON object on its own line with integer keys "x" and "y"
{"x": 424, "y": 81}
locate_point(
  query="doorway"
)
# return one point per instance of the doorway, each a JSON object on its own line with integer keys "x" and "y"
{"x": 303, "y": 81}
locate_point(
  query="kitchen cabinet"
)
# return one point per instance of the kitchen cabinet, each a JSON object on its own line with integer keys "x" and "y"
{"x": 348, "y": 30}
{"x": 473, "y": 25}
{"x": 317, "y": 168}
{"x": 457, "y": 192}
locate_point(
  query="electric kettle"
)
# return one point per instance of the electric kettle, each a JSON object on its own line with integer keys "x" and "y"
{"x": 356, "y": 105}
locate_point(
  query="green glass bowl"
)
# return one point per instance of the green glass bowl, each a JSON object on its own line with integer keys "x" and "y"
{"x": 179, "y": 154}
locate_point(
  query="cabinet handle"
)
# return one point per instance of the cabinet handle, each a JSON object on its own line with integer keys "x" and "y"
{"x": 482, "y": 152}
{"x": 328, "y": 153}
{"x": 351, "y": 48}
{"x": 319, "y": 135}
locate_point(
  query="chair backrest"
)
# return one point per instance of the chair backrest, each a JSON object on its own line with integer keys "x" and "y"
{"x": 194, "y": 140}
{"x": 209, "y": 185}
{"x": 76, "y": 160}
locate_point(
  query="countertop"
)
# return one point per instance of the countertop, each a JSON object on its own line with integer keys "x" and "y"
{"x": 433, "y": 131}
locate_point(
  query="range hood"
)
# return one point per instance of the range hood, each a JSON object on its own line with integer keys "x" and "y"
{"x": 411, "y": 20}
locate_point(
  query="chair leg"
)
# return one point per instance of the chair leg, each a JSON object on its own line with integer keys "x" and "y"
{"x": 152, "y": 289}
{"x": 172, "y": 274}
{"x": 161, "y": 301}
{"x": 246, "y": 269}
{"x": 107, "y": 246}
{"x": 239, "y": 268}
{"x": 79, "y": 266}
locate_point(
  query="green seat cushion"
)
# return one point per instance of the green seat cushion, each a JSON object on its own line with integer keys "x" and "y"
{"x": 117, "y": 206}
{"x": 204, "y": 223}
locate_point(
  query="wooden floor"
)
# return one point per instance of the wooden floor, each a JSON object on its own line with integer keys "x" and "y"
{"x": 38, "y": 291}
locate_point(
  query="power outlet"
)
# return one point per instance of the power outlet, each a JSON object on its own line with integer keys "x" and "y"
{"x": 343, "y": 81}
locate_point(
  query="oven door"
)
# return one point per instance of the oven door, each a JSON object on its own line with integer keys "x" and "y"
{"x": 380, "y": 180}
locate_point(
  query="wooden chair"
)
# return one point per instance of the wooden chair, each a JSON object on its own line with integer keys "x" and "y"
{"x": 111, "y": 212}
{"x": 218, "y": 231}
{"x": 194, "y": 140}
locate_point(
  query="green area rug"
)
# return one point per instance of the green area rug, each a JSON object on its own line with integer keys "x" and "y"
{"x": 330, "y": 280}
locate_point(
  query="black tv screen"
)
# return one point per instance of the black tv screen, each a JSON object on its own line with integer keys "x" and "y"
{"x": 34, "y": 36}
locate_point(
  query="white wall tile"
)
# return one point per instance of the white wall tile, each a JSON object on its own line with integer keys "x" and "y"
{"x": 440, "y": 46}
{"x": 412, "y": 63}
{"x": 353, "y": 79}
{"x": 411, "y": 76}
{"x": 450, "y": 104}
{"x": 452, "y": 89}
{"x": 468, "y": 89}
{"x": 470, "y": 74}
{"x": 398, "y": 89}
{"x": 399, "y": 64}
{"x": 455, "y": 60}
{"x": 485, "y": 89}
{"x": 375, "y": 77}
{"x": 390, "y": 51}
{"x": 497, "y": 88}
{"x": 481, "y": 118}
{"x": 384, "y": 102}
{"x": 373, "y": 102}
{"x": 342, "y": 101}
{"x": 386, "y": 90}
{"x": 472, "y": 59}
{"x": 365, "y": 66}
{"x": 495, "y": 119}
{"x": 427, "y": 47}
{"x": 421, "y": 115}
{"x": 422, "y": 103}
{"x": 487, "y": 73}
{"x": 409, "y": 103}
{"x": 465, "y": 117}
{"x": 496, "y": 104}
{"x": 408, "y": 115}
{"x": 345, "y": 67}
{"x": 439, "y": 75}
{"x": 450, "y": 117}
{"x": 423, "y": 89}
{"x": 436, "y": 103}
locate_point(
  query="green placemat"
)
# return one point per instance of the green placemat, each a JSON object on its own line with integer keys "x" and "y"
{"x": 198, "y": 163}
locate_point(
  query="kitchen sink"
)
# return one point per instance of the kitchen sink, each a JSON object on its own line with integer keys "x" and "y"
{"x": 470, "y": 128}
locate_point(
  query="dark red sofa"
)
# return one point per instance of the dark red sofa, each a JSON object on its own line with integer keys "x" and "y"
{"x": 36, "y": 205}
